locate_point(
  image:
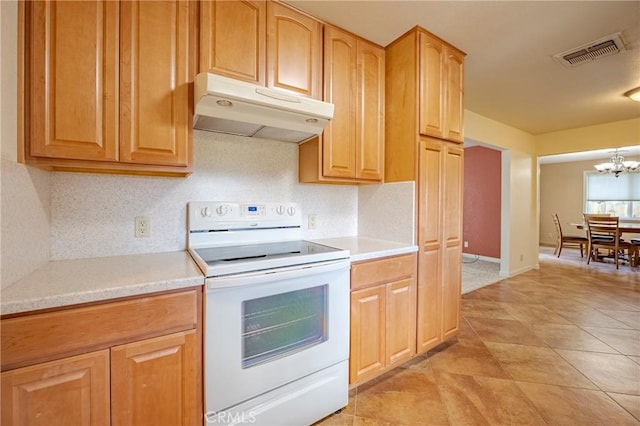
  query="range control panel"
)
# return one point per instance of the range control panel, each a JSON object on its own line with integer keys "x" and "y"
{"x": 210, "y": 215}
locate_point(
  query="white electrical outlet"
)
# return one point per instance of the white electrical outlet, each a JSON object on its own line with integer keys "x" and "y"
{"x": 466, "y": 243}
{"x": 312, "y": 221}
{"x": 143, "y": 226}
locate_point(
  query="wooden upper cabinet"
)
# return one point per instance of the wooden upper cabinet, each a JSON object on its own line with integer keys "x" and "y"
{"x": 425, "y": 97}
{"x": 441, "y": 86}
{"x": 370, "y": 112}
{"x": 294, "y": 51}
{"x": 339, "y": 136}
{"x": 233, "y": 39}
{"x": 72, "y": 96}
{"x": 351, "y": 148}
{"x": 455, "y": 95}
{"x": 106, "y": 85}
{"x": 430, "y": 83}
{"x": 262, "y": 42}
{"x": 155, "y": 126}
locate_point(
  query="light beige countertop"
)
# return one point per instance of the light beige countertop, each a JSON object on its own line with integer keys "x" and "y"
{"x": 363, "y": 248}
{"x": 69, "y": 282}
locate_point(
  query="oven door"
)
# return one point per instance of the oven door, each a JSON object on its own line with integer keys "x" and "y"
{"x": 265, "y": 330}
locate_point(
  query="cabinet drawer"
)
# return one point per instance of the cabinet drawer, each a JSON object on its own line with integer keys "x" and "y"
{"x": 384, "y": 270}
{"x": 52, "y": 335}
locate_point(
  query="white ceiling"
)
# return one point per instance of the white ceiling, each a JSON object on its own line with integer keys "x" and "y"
{"x": 510, "y": 75}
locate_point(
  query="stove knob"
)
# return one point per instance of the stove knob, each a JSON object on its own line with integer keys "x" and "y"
{"x": 280, "y": 210}
{"x": 291, "y": 211}
{"x": 206, "y": 212}
{"x": 222, "y": 210}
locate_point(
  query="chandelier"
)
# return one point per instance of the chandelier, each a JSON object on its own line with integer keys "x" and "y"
{"x": 617, "y": 165}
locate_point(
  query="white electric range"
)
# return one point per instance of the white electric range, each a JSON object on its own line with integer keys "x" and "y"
{"x": 276, "y": 329}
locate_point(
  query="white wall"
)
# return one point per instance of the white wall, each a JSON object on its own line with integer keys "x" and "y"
{"x": 24, "y": 192}
{"x": 600, "y": 136}
{"x": 519, "y": 231}
{"x": 562, "y": 192}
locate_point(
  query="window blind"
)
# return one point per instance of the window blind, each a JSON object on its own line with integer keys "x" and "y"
{"x": 607, "y": 187}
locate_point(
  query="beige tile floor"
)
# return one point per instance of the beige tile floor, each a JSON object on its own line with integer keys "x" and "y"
{"x": 557, "y": 346}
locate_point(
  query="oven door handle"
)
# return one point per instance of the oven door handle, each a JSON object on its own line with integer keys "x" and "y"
{"x": 261, "y": 277}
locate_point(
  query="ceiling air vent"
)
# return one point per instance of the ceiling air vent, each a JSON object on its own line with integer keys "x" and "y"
{"x": 591, "y": 51}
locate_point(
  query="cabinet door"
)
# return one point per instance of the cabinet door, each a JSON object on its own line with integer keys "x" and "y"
{"x": 452, "y": 240}
{"x": 431, "y": 77}
{"x": 294, "y": 51}
{"x": 430, "y": 204}
{"x": 339, "y": 137}
{"x": 153, "y": 382}
{"x": 70, "y": 391}
{"x": 455, "y": 95}
{"x": 370, "y": 112}
{"x": 233, "y": 38}
{"x": 401, "y": 321}
{"x": 71, "y": 83}
{"x": 155, "y": 112}
{"x": 367, "y": 354}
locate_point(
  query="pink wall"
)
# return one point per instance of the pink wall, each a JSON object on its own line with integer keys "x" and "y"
{"x": 482, "y": 189}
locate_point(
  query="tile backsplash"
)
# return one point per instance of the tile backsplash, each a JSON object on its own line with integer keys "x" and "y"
{"x": 93, "y": 215}
{"x": 25, "y": 220}
{"x": 59, "y": 215}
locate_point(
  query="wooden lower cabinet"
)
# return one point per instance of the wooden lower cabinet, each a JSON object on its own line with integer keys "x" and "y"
{"x": 383, "y": 321}
{"x": 368, "y": 322}
{"x": 129, "y": 362}
{"x": 69, "y": 391}
{"x": 154, "y": 381}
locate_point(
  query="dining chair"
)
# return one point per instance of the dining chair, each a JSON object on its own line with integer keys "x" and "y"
{"x": 636, "y": 242}
{"x": 600, "y": 237}
{"x": 567, "y": 240}
{"x": 604, "y": 233}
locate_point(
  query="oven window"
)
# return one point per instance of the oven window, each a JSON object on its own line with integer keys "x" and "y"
{"x": 274, "y": 326}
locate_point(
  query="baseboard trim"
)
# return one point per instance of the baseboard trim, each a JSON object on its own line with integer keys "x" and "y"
{"x": 519, "y": 271}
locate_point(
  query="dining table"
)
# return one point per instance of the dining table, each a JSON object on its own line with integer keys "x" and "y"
{"x": 623, "y": 228}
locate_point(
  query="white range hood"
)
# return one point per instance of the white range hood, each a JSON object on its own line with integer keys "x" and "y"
{"x": 225, "y": 105}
